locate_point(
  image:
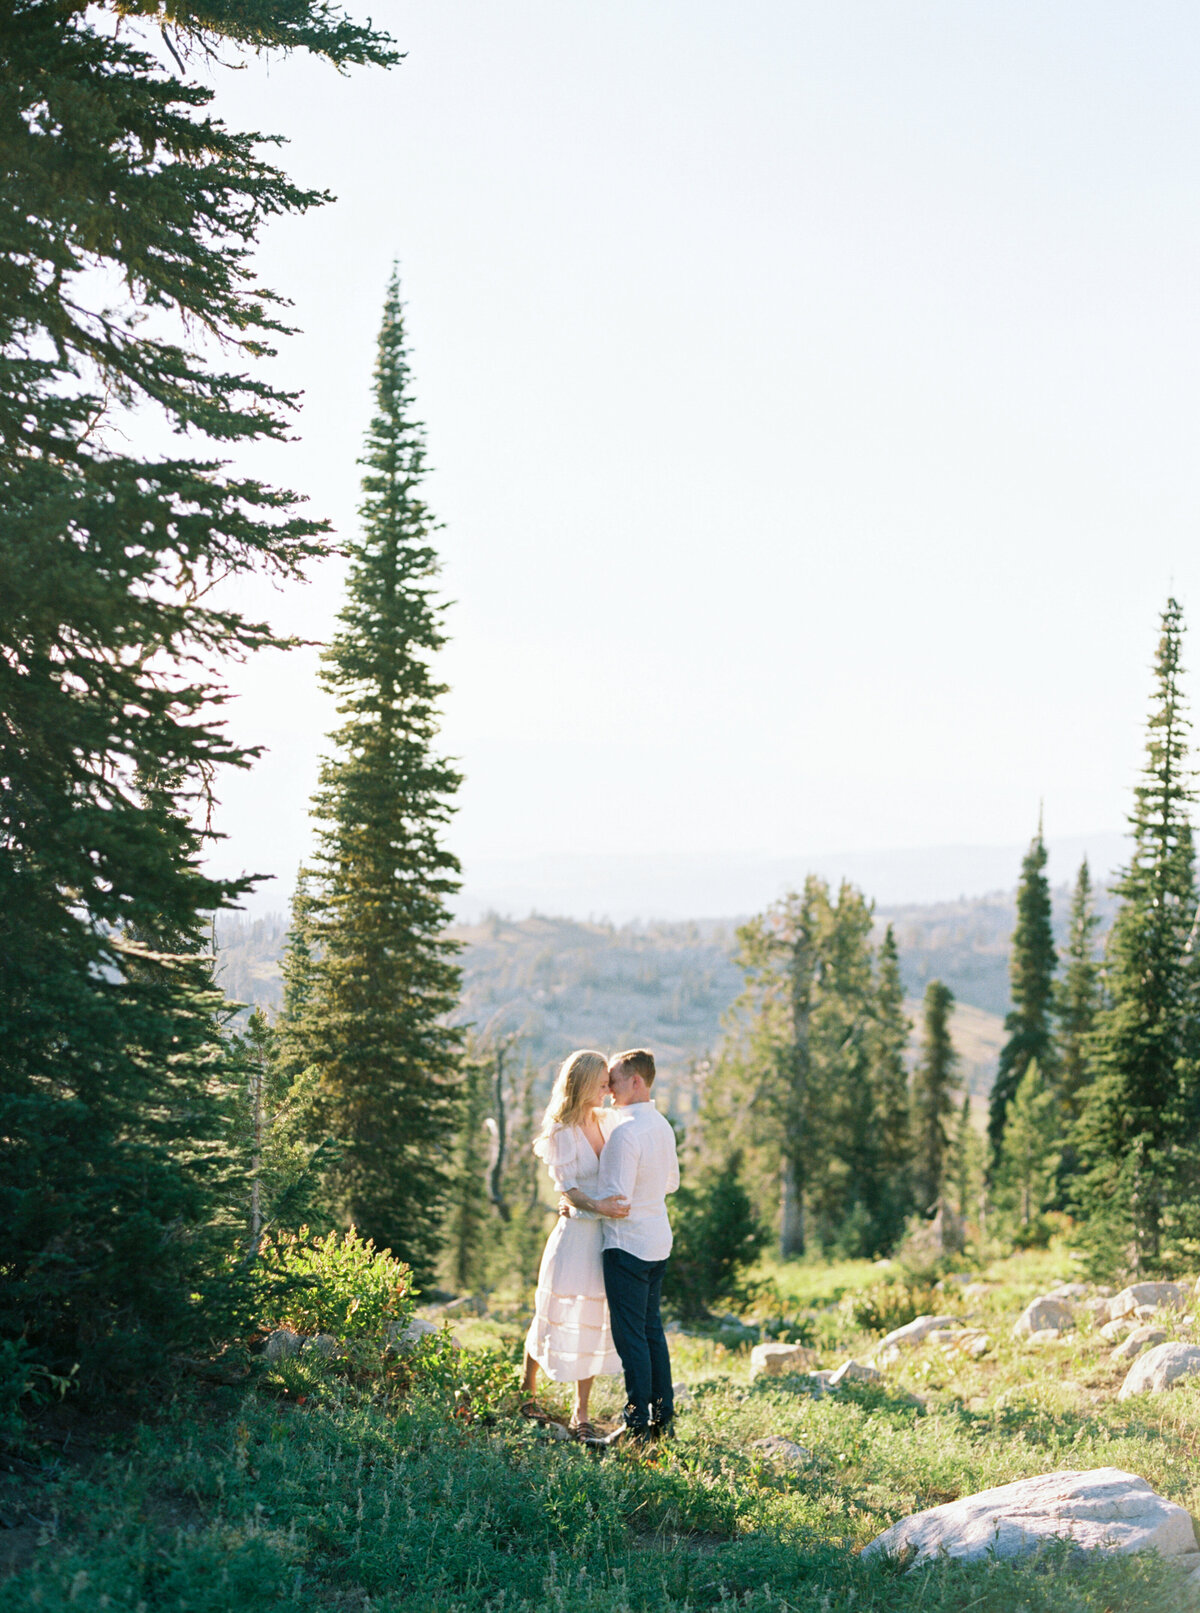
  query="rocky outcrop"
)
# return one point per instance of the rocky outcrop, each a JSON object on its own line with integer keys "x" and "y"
{"x": 1101, "y": 1510}
{"x": 774, "y": 1360}
{"x": 1159, "y": 1368}
{"x": 1140, "y": 1339}
{"x": 1157, "y": 1296}
{"x": 1042, "y": 1314}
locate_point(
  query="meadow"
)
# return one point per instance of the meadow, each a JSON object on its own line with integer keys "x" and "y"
{"x": 356, "y": 1486}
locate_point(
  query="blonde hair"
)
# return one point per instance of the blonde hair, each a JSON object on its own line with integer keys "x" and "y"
{"x": 571, "y": 1096}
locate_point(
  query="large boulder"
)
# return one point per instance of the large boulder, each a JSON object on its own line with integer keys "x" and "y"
{"x": 1159, "y": 1368}
{"x": 853, "y": 1372}
{"x": 1101, "y": 1510}
{"x": 283, "y": 1344}
{"x": 1042, "y": 1314}
{"x": 1170, "y": 1296}
{"x": 774, "y": 1360}
{"x": 1140, "y": 1339}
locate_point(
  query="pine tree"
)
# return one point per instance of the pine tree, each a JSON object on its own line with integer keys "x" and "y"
{"x": 123, "y": 194}
{"x": 1029, "y": 1155}
{"x": 470, "y": 1208}
{"x": 891, "y": 1121}
{"x": 1029, "y": 1023}
{"x": 933, "y": 1086}
{"x": 965, "y": 1163}
{"x": 383, "y": 978}
{"x": 1136, "y": 1134}
{"x": 1077, "y": 997}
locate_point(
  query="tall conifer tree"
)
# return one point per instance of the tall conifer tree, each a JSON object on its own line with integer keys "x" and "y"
{"x": 383, "y": 976}
{"x": 934, "y": 1085}
{"x": 891, "y": 1122}
{"x": 1032, "y": 962}
{"x": 1136, "y": 1135}
{"x": 1077, "y": 996}
{"x": 122, "y": 192}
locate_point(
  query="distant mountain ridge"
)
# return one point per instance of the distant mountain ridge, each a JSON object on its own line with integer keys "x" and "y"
{"x": 564, "y": 983}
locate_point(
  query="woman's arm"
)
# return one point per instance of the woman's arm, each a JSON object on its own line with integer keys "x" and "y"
{"x": 615, "y": 1207}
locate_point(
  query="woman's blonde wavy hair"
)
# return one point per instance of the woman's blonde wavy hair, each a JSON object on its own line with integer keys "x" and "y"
{"x": 572, "y": 1094}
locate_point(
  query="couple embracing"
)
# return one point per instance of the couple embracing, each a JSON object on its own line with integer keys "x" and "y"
{"x": 600, "y": 1282}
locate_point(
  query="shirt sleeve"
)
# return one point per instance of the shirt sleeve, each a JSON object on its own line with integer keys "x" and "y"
{"x": 560, "y": 1155}
{"x": 618, "y": 1165}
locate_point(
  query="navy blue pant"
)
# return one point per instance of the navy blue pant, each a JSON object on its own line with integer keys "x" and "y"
{"x": 634, "y": 1290}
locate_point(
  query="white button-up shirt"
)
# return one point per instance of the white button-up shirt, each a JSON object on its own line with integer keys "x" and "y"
{"x": 639, "y": 1164}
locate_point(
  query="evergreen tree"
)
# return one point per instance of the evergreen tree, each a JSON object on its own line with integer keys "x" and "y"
{"x": 470, "y": 1219}
{"x": 933, "y": 1086}
{"x": 383, "y": 978}
{"x": 965, "y": 1164}
{"x": 891, "y": 1122}
{"x": 1029, "y": 1154}
{"x": 1137, "y": 1133}
{"x": 121, "y": 194}
{"x": 1029, "y": 1023}
{"x": 1077, "y": 997}
{"x": 290, "y": 1048}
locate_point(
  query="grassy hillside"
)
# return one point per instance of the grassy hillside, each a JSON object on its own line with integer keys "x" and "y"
{"x": 323, "y": 1488}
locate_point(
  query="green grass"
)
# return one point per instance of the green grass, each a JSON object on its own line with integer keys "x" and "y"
{"x": 246, "y": 1499}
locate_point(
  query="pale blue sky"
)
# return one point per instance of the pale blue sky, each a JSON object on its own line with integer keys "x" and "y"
{"x": 813, "y": 396}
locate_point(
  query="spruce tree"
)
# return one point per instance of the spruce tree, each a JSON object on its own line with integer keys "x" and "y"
{"x": 123, "y": 194}
{"x": 891, "y": 1122}
{"x": 1031, "y": 969}
{"x": 1136, "y": 1135}
{"x": 383, "y": 976}
{"x": 933, "y": 1087}
{"x": 1029, "y": 1154}
{"x": 1077, "y": 997}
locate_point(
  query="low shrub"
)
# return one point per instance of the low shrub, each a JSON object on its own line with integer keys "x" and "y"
{"x": 888, "y": 1305}
{"x": 340, "y": 1284}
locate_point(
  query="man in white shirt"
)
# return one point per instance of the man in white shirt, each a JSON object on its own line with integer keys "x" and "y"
{"x": 639, "y": 1165}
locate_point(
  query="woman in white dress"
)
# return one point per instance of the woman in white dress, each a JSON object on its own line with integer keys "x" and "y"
{"x": 569, "y": 1337}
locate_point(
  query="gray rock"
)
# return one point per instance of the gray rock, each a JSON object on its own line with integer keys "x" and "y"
{"x": 1114, "y": 1332}
{"x": 912, "y": 1333}
{"x": 1070, "y": 1291}
{"x": 1174, "y": 1296}
{"x": 1140, "y": 1339}
{"x": 322, "y": 1344}
{"x": 1045, "y": 1335}
{"x": 1159, "y": 1368}
{"x": 409, "y": 1332}
{"x": 683, "y": 1396}
{"x": 783, "y": 1452}
{"x": 776, "y": 1359}
{"x": 853, "y": 1372}
{"x": 976, "y": 1291}
{"x": 283, "y": 1344}
{"x": 1041, "y": 1314}
{"x": 1104, "y": 1509}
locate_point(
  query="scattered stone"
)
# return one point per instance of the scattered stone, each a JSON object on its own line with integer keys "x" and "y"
{"x": 1097, "y": 1308}
{"x": 552, "y": 1430}
{"x": 1159, "y": 1368}
{"x": 1140, "y": 1339}
{"x": 683, "y": 1396}
{"x": 854, "y": 1372}
{"x": 1070, "y": 1291}
{"x": 1114, "y": 1332}
{"x": 819, "y": 1382}
{"x": 783, "y": 1452}
{"x": 943, "y": 1335}
{"x": 1103, "y": 1509}
{"x": 1045, "y": 1335}
{"x": 1172, "y": 1295}
{"x": 974, "y": 1291}
{"x": 912, "y": 1333}
{"x": 283, "y": 1344}
{"x": 776, "y": 1359}
{"x": 972, "y": 1341}
{"x": 1042, "y": 1314}
{"x": 417, "y": 1328}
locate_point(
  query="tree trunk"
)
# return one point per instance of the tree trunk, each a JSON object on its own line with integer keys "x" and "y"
{"x": 791, "y": 1228}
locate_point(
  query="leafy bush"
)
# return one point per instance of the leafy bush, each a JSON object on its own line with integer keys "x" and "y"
{"x": 340, "y": 1284}
{"x": 886, "y": 1305}
{"x": 717, "y": 1238}
{"x": 25, "y": 1381}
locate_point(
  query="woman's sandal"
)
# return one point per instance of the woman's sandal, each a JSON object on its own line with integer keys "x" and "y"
{"x": 536, "y": 1414}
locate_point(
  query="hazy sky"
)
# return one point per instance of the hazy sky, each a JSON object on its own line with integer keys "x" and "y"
{"x": 812, "y": 392}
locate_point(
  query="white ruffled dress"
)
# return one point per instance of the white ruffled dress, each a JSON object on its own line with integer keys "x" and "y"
{"x": 570, "y": 1337}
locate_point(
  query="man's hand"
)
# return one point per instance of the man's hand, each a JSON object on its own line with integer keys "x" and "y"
{"x": 615, "y": 1208}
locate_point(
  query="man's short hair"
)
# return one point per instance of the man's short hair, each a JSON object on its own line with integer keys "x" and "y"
{"x": 640, "y": 1061}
